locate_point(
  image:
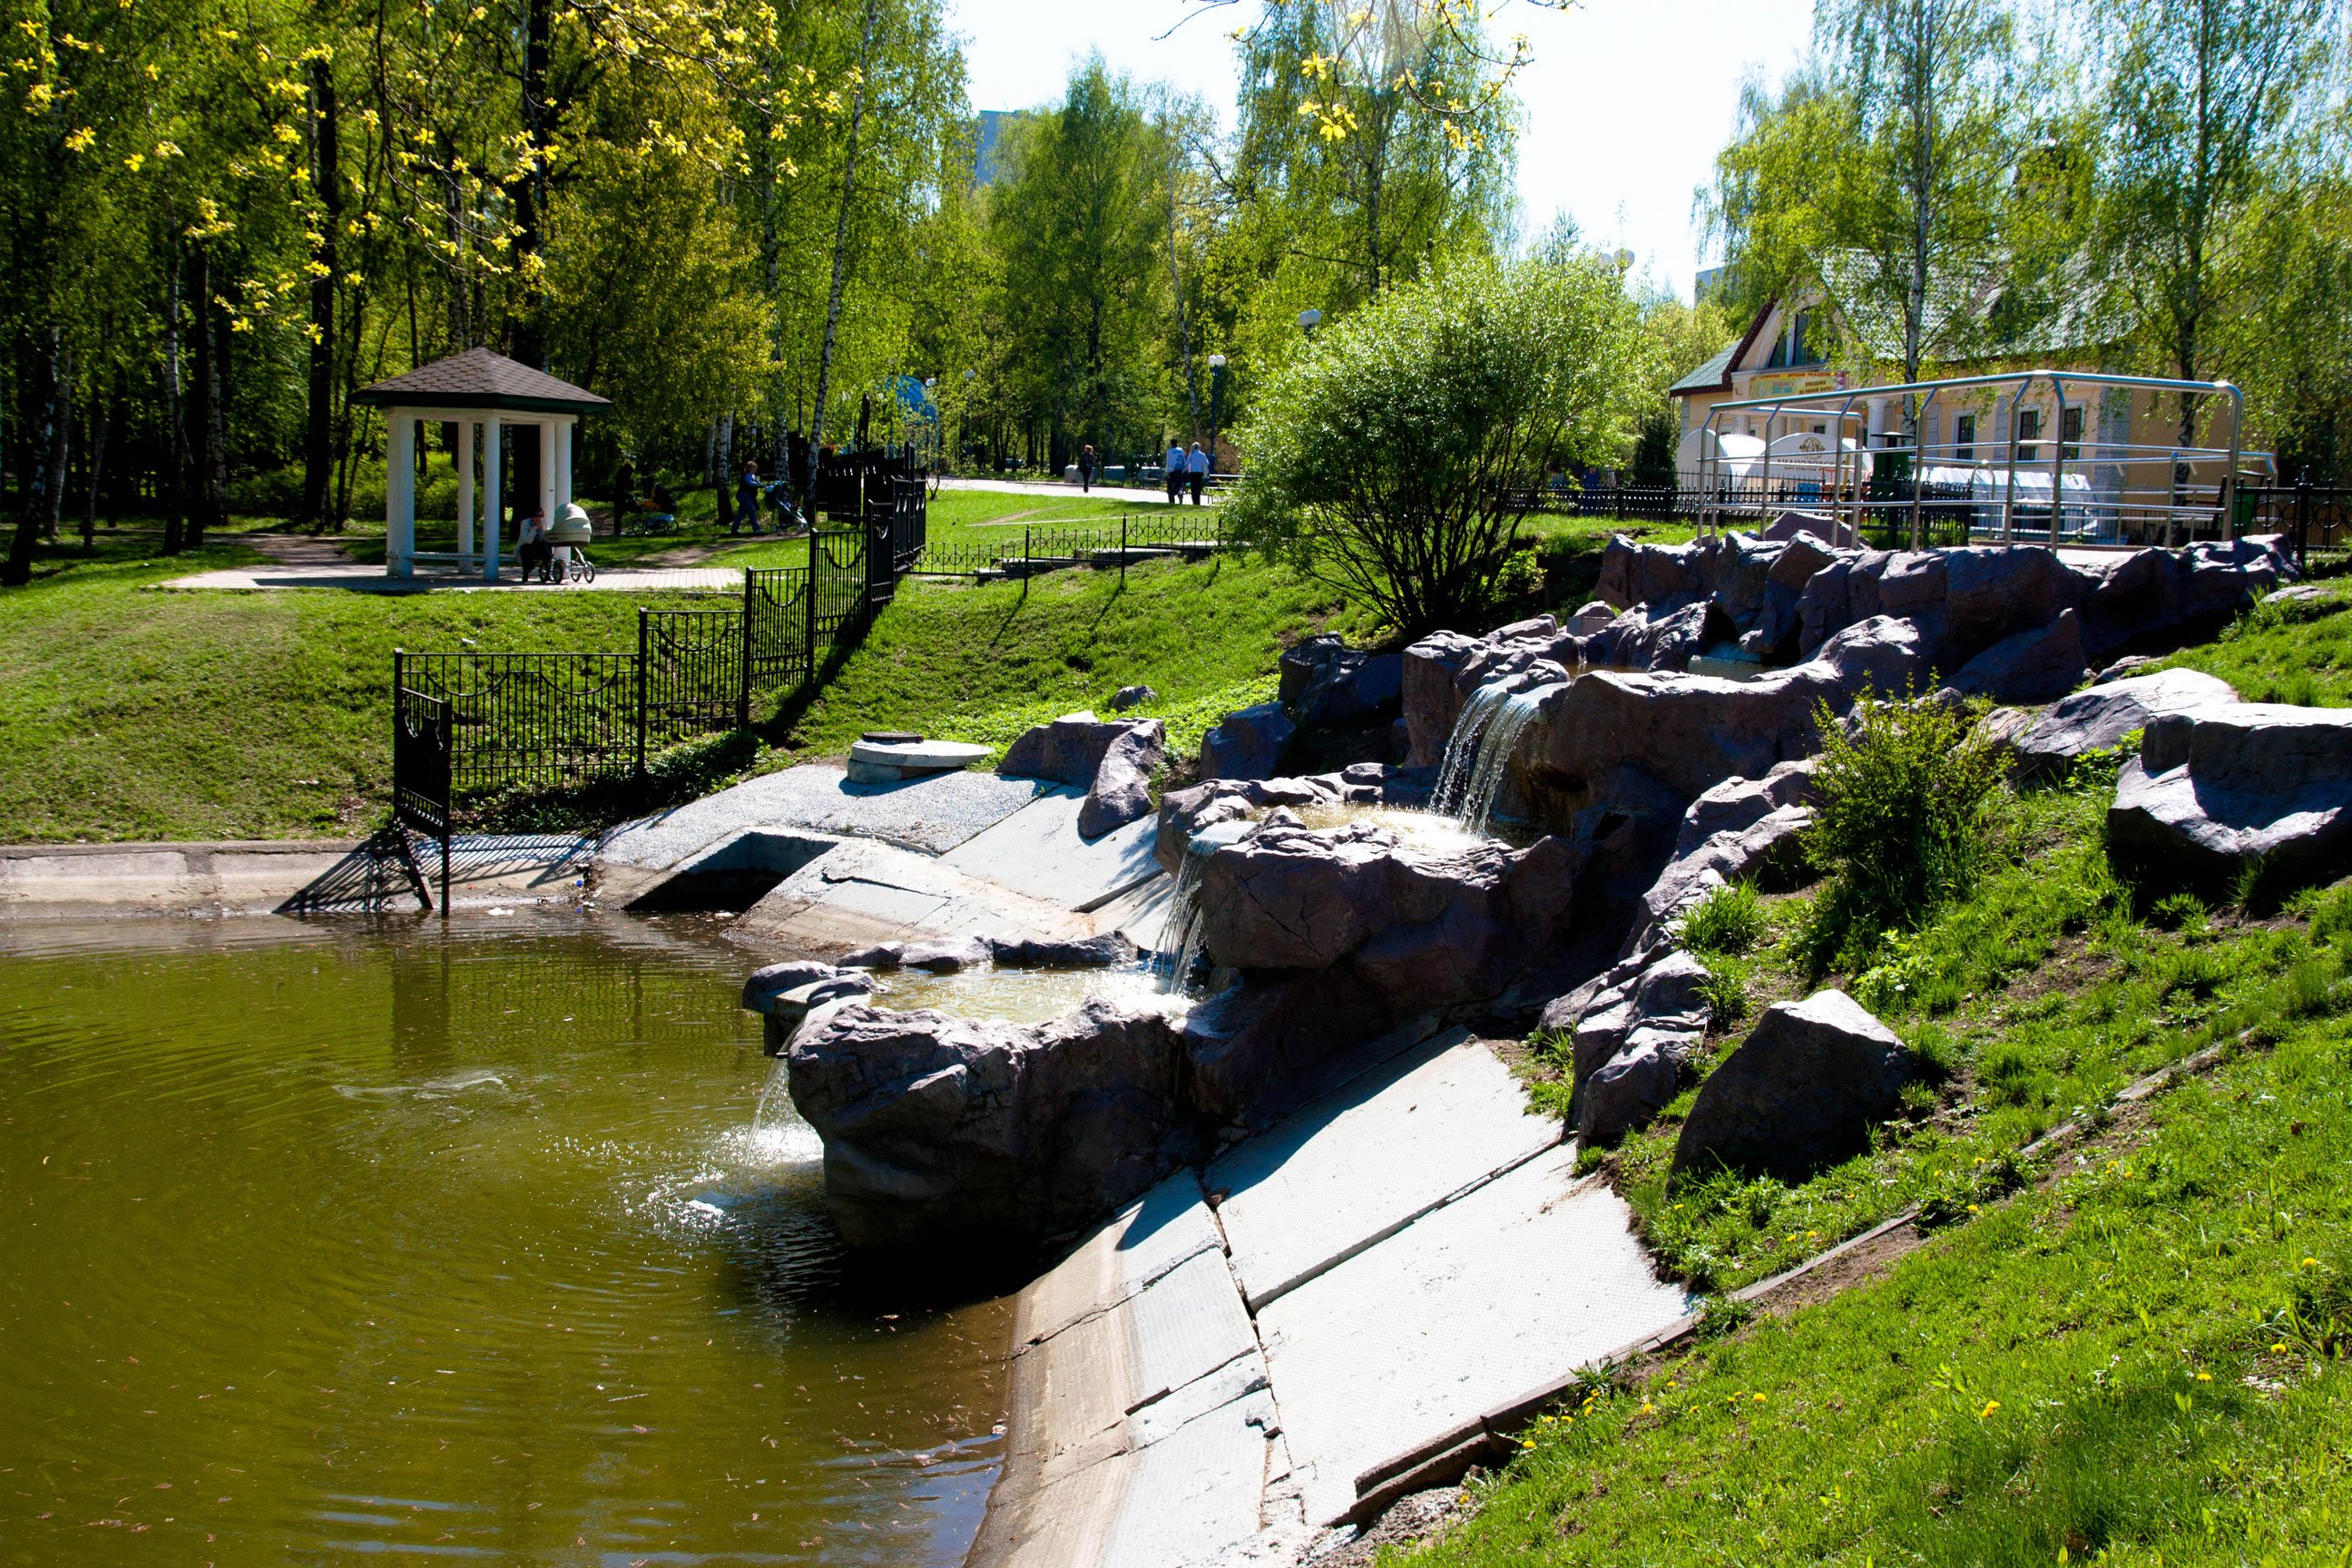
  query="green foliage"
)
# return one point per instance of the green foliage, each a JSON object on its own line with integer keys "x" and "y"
{"x": 2298, "y": 652}
{"x": 1729, "y": 920}
{"x": 1384, "y": 462}
{"x": 1901, "y": 819}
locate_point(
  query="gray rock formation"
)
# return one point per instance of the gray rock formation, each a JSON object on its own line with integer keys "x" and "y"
{"x": 946, "y": 955}
{"x": 1105, "y": 951}
{"x": 1128, "y": 697}
{"x": 2101, "y": 717}
{"x": 1186, "y": 813}
{"x": 778, "y": 978}
{"x": 1327, "y": 685}
{"x": 1120, "y": 792}
{"x": 2219, "y": 790}
{"x": 946, "y": 1128}
{"x": 1112, "y": 760}
{"x": 1801, "y": 1091}
{"x": 2039, "y": 665}
{"x": 1248, "y": 744}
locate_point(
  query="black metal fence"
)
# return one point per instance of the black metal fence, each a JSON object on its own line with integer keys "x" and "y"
{"x": 473, "y": 723}
{"x": 2313, "y": 517}
{"x": 1139, "y": 537}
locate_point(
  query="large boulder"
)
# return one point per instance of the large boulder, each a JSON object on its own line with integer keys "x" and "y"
{"x": 1247, "y": 743}
{"x": 2039, "y": 665}
{"x": 1120, "y": 792}
{"x": 1801, "y": 1091}
{"x": 2100, "y": 718}
{"x": 948, "y": 1128}
{"x": 1327, "y": 685}
{"x": 1432, "y": 701}
{"x": 2221, "y": 789}
{"x": 1066, "y": 751}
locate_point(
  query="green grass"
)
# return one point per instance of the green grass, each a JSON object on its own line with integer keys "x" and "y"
{"x": 2293, "y": 652}
{"x": 129, "y": 711}
{"x": 978, "y": 663}
{"x": 133, "y": 712}
{"x": 2127, "y": 1358}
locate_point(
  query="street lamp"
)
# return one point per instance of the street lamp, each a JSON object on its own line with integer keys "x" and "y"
{"x": 1308, "y": 319}
{"x": 1216, "y": 399}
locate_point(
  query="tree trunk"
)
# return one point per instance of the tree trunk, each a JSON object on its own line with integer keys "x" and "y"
{"x": 175, "y": 417}
{"x": 101, "y": 408}
{"x": 41, "y": 417}
{"x": 318, "y": 443}
{"x": 530, "y": 189}
{"x": 841, "y": 228}
{"x": 210, "y": 508}
{"x": 1183, "y": 332}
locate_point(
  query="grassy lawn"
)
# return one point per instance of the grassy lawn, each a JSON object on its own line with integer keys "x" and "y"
{"x": 2298, "y": 652}
{"x": 2130, "y": 1356}
{"x": 976, "y": 663}
{"x": 131, "y": 713}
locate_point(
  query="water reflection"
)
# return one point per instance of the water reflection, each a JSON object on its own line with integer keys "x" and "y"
{"x": 380, "y": 1237}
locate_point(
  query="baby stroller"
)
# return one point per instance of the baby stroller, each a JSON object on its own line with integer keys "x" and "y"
{"x": 567, "y": 560}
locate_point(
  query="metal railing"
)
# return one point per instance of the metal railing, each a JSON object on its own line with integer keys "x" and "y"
{"x": 506, "y": 720}
{"x": 1138, "y": 536}
{"x": 2312, "y": 516}
{"x": 2059, "y": 485}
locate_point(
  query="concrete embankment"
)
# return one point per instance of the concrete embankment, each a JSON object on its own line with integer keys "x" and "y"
{"x": 1255, "y": 1354}
{"x": 84, "y": 881}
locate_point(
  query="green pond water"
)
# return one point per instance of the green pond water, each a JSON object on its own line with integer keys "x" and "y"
{"x": 331, "y": 1243}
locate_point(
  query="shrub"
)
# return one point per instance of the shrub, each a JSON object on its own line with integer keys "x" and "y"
{"x": 1395, "y": 459}
{"x": 1729, "y": 919}
{"x": 1903, "y": 790}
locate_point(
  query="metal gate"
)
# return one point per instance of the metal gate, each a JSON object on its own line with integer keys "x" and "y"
{"x": 693, "y": 685}
{"x": 423, "y": 750}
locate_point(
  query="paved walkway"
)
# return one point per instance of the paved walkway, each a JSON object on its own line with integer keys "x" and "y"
{"x": 360, "y": 579}
{"x": 1142, "y": 495}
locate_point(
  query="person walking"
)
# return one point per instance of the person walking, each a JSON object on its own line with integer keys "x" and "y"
{"x": 1172, "y": 470}
{"x": 1196, "y": 470}
{"x": 747, "y": 498}
{"x": 1086, "y": 468}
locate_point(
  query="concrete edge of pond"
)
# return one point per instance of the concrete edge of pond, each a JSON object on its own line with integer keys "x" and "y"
{"x": 275, "y": 877}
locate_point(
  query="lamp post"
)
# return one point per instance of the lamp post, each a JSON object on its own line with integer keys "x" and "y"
{"x": 1216, "y": 402}
{"x": 1308, "y": 319}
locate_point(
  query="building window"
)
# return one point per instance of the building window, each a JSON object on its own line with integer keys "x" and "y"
{"x": 1964, "y": 437}
{"x": 2070, "y": 430}
{"x": 2029, "y": 428}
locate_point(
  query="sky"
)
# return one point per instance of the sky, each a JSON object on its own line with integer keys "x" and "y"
{"x": 1627, "y": 100}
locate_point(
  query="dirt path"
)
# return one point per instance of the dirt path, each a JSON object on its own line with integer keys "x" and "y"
{"x": 298, "y": 549}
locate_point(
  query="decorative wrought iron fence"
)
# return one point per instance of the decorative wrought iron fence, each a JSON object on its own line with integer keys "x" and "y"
{"x": 506, "y": 721}
{"x": 1037, "y": 550}
{"x": 2312, "y": 516}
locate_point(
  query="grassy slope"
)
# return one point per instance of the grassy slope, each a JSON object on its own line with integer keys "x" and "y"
{"x": 131, "y": 713}
{"x": 2017, "y": 1388}
{"x": 128, "y": 712}
{"x": 982, "y": 664}
{"x": 2298, "y": 653}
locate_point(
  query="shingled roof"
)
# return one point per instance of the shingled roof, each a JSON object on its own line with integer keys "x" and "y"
{"x": 482, "y": 379}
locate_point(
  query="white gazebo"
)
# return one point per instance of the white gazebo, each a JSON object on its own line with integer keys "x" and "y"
{"x": 474, "y": 388}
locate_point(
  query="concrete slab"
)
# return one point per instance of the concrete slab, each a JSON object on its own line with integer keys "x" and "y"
{"x": 862, "y": 893}
{"x": 1077, "y": 1389}
{"x": 1526, "y": 1278}
{"x": 1170, "y": 1224}
{"x": 931, "y": 815}
{"x": 1140, "y": 914}
{"x": 1365, "y": 1161}
{"x": 1037, "y": 851}
{"x": 75, "y": 881}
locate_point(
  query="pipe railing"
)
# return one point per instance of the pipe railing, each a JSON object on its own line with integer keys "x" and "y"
{"x": 1845, "y": 483}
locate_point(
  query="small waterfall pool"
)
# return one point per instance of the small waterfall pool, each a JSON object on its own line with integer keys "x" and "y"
{"x": 1478, "y": 753}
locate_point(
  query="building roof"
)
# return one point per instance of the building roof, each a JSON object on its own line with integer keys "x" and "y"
{"x": 1978, "y": 312}
{"x": 1712, "y": 375}
{"x": 480, "y": 378}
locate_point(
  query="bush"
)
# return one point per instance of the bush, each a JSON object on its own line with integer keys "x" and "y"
{"x": 1729, "y": 919}
{"x": 1903, "y": 790}
{"x": 1395, "y": 459}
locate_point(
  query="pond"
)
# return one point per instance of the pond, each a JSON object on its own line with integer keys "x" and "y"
{"x": 444, "y": 1243}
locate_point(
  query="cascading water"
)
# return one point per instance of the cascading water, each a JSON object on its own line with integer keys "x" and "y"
{"x": 1182, "y": 927}
{"x": 1478, "y": 752}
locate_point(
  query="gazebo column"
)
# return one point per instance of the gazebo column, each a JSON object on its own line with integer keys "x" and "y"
{"x": 492, "y": 503}
{"x": 547, "y": 445}
{"x": 562, "y": 469}
{"x": 465, "y": 487}
{"x": 400, "y": 493}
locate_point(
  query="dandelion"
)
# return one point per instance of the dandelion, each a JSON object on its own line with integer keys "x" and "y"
{"x": 1648, "y": 1409}
{"x": 2311, "y": 1263}
{"x": 2279, "y": 1348}
{"x": 2204, "y": 1378}
{"x": 1759, "y": 1399}
{"x": 1991, "y": 1405}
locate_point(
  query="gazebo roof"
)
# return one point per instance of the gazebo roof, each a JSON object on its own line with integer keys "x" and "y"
{"x": 480, "y": 378}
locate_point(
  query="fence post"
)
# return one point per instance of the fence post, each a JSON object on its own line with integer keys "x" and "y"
{"x": 644, "y": 667}
{"x": 808, "y": 598}
{"x": 743, "y": 695}
{"x": 1123, "y": 550}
